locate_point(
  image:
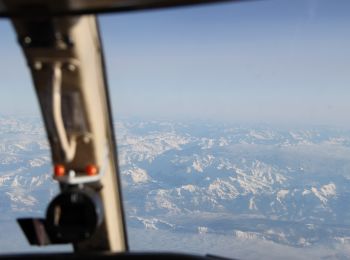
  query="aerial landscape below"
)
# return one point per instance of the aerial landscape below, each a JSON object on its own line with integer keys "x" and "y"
{"x": 203, "y": 187}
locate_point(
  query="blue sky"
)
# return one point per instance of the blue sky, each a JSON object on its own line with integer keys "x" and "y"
{"x": 261, "y": 61}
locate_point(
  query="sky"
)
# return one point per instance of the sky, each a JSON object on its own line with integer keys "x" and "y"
{"x": 260, "y": 61}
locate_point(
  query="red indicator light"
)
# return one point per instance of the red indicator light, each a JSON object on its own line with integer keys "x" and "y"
{"x": 59, "y": 170}
{"x": 91, "y": 170}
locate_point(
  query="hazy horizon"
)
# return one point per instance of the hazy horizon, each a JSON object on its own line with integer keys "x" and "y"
{"x": 279, "y": 62}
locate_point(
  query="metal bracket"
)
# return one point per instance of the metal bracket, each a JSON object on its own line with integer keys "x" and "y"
{"x": 73, "y": 178}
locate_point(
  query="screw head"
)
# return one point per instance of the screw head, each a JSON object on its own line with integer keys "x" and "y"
{"x": 27, "y": 40}
{"x": 71, "y": 67}
{"x": 38, "y": 65}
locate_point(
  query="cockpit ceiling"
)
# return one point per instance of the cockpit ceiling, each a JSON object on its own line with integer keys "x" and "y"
{"x": 35, "y": 8}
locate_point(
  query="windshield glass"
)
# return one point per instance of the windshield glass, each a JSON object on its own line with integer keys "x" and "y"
{"x": 26, "y": 185}
{"x": 233, "y": 130}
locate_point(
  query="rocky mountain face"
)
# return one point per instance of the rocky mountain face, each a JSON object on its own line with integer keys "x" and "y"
{"x": 285, "y": 185}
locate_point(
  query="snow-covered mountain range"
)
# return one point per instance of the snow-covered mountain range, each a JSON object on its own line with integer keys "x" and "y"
{"x": 289, "y": 186}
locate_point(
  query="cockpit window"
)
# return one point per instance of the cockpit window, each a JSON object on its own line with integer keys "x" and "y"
{"x": 26, "y": 185}
{"x": 233, "y": 131}
{"x": 232, "y": 125}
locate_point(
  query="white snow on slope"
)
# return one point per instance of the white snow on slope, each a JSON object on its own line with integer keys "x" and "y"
{"x": 325, "y": 192}
{"x": 138, "y": 175}
{"x": 281, "y": 195}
